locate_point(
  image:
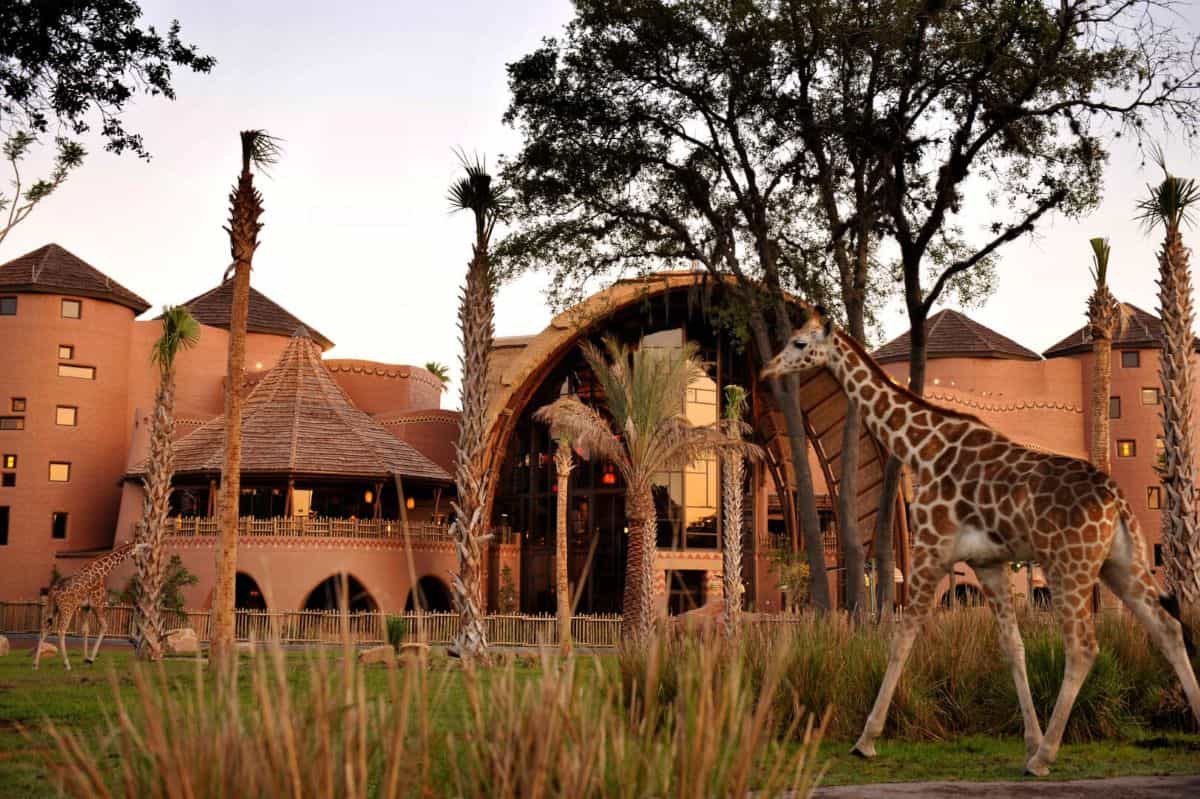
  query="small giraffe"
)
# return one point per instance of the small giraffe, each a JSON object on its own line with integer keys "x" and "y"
{"x": 988, "y": 501}
{"x": 80, "y": 592}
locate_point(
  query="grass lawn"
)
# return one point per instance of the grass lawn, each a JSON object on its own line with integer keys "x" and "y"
{"x": 80, "y": 699}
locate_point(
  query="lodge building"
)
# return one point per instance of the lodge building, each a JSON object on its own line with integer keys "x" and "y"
{"x": 347, "y": 464}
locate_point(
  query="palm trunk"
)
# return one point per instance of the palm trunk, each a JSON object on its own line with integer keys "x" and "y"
{"x": 733, "y": 479}
{"x": 151, "y": 562}
{"x": 1101, "y": 391}
{"x": 637, "y": 608}
{"x": 1180, "y": 532}
{"x": 476, "y": 320}
{"x": 563, "y": 463}
{"x": 243, "y": 236}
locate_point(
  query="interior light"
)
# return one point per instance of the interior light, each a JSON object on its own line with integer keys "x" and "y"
{"x": 369, "y": 496}
{"x": 410, "y": 503}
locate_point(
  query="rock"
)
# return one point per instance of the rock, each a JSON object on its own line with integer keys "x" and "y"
{"x": 414, "y": 649}
{"x": 47, "y": 649}
{"x": 182, "y": 641}
{"x": 4, "y": 647}
{"x": 377, "y": 654}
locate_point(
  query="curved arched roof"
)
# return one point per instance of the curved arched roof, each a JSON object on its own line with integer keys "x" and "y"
{"x": 520, "y": 364}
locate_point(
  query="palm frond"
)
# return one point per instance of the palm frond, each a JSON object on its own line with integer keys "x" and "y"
{"x": 1172, "y": 202}
{"x": 476, "y": 191}
{"x": 735, "y": 402}
{"x": 260, "y": 149}
{"x": 439, "y": 370}
{"x": 1100, "y": 254}
{"x": 587, "y": 430}
{"x": 180, "y": 331}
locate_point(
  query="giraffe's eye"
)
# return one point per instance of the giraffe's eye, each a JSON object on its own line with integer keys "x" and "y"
{"x": 799, "y": 345}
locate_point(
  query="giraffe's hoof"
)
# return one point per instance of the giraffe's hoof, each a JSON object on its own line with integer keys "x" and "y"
{"x": 864, "y": 750}
{"x": 1035, "y": 768}
{"x": 89, "y": 661}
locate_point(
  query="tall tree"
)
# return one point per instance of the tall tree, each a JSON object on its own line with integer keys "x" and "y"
{"x": 179, "y": 332}
{"x": 733, "y": 491}
{"x": 1103, "y": 316}
{"x": 1172, "y": 204}
{"x": 478, "y": 194}
{"x": 643, "y": 433}
{"x": 68, "y": 66}
{"x": 564, "y": 462}
{"x": 259, "y": 150}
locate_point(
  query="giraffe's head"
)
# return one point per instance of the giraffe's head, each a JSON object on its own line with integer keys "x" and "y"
{"x": 809, "y": 346}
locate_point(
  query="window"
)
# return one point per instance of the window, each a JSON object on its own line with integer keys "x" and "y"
{"x": 1158, "y": 554}
{"x": 12, "y": 422}
{"x": 1149, "y": 396}
{"x": 1160, "y": 446}
{"x": 66, "y": 416}
{"x": 81, "y": 372}
{"x": 1131, "y": 359}
{"x": 8, "y": 306}
{"x": 18, "y": 405}
{"x": 3, "y": 525}
{"x": 8, "y": 480}
{"x": 1154, "y": 497}
{"x": 72, "y": 309}
{"x": 59, "y": 472}
{"x": 66, "y": 352}
{"x": 1126, "y": 448}
{"x": 1114, "y": 407}
{"x": 10, "y": 461}
{"x": 58, "y": 524}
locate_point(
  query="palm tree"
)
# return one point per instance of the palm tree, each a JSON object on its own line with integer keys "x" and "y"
{"x": 474, "y": 192}
{"x": 733, "y": 480}
{"x": 564, "y": 462}
{"x": 439, "y": 370}
{"x": 179, "y": 332}
{"x": 1103, "y": 315}
{"x": 1171, "y": 203}
{"x": 643, "y": 434}
{"x": 258, "y": 150}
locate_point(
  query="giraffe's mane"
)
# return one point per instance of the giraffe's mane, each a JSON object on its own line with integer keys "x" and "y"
{"x": 875, "y": 369}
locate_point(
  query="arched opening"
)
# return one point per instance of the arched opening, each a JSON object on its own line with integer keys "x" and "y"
{"x": 965, "y": 595}
{"x": 246, "y": 593}
{"x": 328, "y": 595}
{"x": 432, "y": 594}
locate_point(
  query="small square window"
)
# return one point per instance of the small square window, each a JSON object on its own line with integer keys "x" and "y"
{"x": 3, "y": 525}
{"x": 1114, "y": 407}
{"x": 60, "y": 472}
{"x": 1158, "y": 554}
{"x": 66, "y": 352}
{"x": 1131, "y": 359}
{"x": 1154, "y": 497}
{"x": 12, "y": 422}
{"x": 8, "y": 480}
{"x": 8, "y": 306}
{"x": 72, "y": 309}
{"x": 18, "y": 405}
{"x": 66, "y": 416}
{"x": 58, "y": 524}
{"x": 1149, "y": 396}
{"x": 80, "y": 372}
{"x": 9, "y": 461}
{"x": 1126, "y": 448}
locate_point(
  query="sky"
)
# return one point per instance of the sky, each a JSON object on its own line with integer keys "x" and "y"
{"x": 371, "y": 100}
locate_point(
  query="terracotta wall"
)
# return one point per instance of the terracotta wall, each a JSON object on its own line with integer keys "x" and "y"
{"x": 95, "y": 448}
{"x": 386, "y": 387}
{"x": 433, "y": 433}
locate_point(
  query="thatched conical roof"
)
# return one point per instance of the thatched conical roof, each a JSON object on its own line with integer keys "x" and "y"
{"x": 299, "y": 421}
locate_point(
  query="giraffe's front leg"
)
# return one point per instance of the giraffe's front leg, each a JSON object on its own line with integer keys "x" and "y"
{"x": 999, "y": 594}
{"x": 62, "y": 644}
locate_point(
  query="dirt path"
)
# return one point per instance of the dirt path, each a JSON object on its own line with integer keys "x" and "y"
{"x": 1114, "y": 788}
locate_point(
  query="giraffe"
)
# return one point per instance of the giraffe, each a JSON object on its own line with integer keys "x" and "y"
{"x": 988, "y": 501}
{"x": 79, "y": 592}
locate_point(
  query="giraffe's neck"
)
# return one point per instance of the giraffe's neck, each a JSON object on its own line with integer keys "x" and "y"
{"x": 106, "y": 563}
{"x": 893, "y": 414}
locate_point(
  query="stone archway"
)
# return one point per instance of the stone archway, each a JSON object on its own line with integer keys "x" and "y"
{"x": 432, "y": 594}
{"x": 327, "y": 595}
{"x": 247, "y": 594}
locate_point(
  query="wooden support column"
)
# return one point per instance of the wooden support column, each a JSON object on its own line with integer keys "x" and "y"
{"x": 377, "y": 508}
{"x": 289, "y": 508}
{"x": 212, "y": 498}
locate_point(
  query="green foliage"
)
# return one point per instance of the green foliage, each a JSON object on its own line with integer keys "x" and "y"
{"x": 506, "y": 600}
{"x": 180, "y": 331}
{"x": 477, "y": 192}
{"x": 260, "y": 149}
{"x": 396, "y": 627}
{"x": 176, "y": 579}
{"x": 1172, "y": 202}
{"x": 69, "y": 155}
{"x": 1100, "y": 255}
{"x": 439, "y": 370}
{"x": 71, "y": 63}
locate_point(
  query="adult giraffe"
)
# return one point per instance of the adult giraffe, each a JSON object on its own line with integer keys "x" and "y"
{"x": 988, "y": 501}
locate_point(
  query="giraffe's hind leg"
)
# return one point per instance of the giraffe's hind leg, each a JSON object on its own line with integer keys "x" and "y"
{"x": 923, "y": 582}
{"x": 1072, "y": 593}
{"x": 999, "y": 595}
{"x": 62, "y": 639}
{"x": 47, "y": 626}
{"x": 103, "y": 618}
{"x": 1127, "y": 575}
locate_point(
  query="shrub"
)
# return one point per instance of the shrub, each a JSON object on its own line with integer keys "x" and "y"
{"x": 395, "y": 628}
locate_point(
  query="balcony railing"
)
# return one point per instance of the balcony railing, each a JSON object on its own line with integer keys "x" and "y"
{"x": 305, "y": 527}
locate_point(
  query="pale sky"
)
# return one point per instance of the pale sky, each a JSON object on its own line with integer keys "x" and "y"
{"x": 357, "y": 240}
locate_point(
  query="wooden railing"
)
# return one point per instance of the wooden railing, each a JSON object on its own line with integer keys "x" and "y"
{"x": 301, "y": 527}
{"x": 319, "y": 626}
